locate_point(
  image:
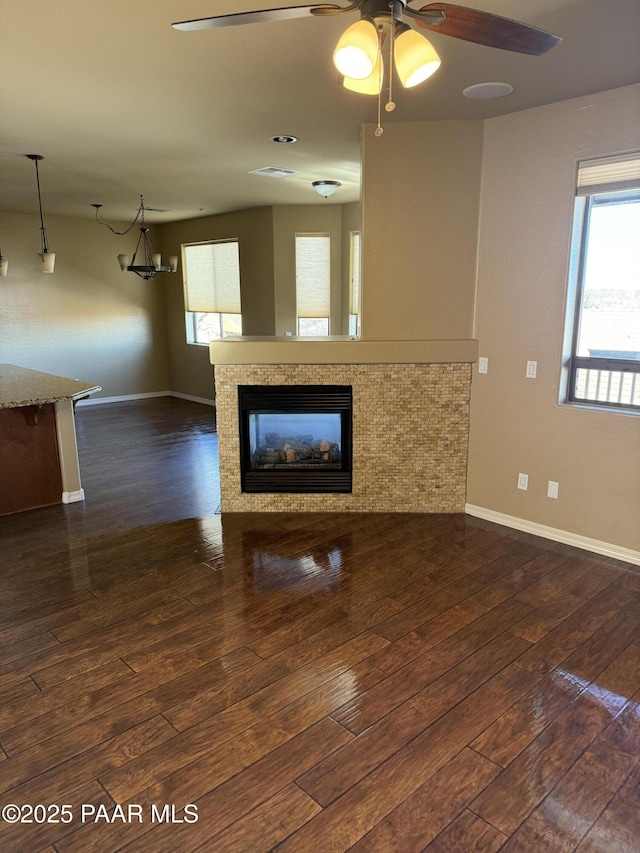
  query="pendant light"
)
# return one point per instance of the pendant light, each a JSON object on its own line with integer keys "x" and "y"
{"x": 47, "y": 257}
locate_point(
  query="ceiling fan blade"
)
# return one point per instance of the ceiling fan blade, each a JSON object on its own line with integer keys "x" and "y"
{"x": 485, "y": 28}
{"x": 256, "y": 17}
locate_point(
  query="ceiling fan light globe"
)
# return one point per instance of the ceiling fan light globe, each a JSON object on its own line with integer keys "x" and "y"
{"x": 356, "y": 52}
{"x": 371, "y": 85}
{"x": 415, "y": 58}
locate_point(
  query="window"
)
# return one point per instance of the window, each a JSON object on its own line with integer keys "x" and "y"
{"x": 604, "y": 365}
{"x": 313, "y": 283}
{"x": 211, "y": 290}
{"x": 354, "y": 282}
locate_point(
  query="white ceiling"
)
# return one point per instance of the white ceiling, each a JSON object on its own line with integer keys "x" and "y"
{"x": 120, "y": 104}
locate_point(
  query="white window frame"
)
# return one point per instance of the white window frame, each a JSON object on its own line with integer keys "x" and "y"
{"x": 355, "y": 282}
{"x": 606, "y": 380}
{"x": 227, "y": 323}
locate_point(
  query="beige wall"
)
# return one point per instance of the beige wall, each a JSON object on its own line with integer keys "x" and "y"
{"x": 190, "y": 370}
{"x": 87, "y": 320}
{"x": 517, "y": 425}
{"x": 420, "y": 197}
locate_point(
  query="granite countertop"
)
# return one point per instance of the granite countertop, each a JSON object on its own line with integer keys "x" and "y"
{"x": 20, "y": 386}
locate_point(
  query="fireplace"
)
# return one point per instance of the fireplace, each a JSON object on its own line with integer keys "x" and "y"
{"x": 295, "y": 438}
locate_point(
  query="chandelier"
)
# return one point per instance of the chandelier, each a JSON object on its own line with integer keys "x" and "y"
{"x": 145, "y": 263}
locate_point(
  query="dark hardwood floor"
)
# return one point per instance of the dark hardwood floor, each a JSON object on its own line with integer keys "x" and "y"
{"x": 303, "y": 682}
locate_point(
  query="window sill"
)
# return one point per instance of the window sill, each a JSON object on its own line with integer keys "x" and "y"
{"x": 595, "y": 407}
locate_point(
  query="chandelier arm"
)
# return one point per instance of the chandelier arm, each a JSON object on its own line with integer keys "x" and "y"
{"x": 133, "y": 259}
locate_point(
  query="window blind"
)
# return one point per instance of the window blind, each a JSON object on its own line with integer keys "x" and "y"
{"x": 212, "y": 277}
{"x": 354, "y": 295}
{"x": 313, "y": 275}
{"x": 609, "y": 174}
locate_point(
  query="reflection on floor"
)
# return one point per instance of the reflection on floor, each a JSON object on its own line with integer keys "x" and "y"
{"x": 303, "y": 682}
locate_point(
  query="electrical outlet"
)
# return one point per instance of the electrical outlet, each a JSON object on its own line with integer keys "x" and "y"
{"x": 483, "y": 365}
{"x": 552, "y": 489}
{"x": 532, "y": 369}
{"x": 523, "y": 482}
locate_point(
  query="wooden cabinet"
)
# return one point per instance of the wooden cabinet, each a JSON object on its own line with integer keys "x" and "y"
{"x": 29, "y": 462}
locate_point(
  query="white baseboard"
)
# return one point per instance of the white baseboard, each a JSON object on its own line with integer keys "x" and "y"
{"x": 193, "y": 399}
{"x": 73, "y": 497}
{"x": 96, "y": 401}
{"x": 627, "y": 555}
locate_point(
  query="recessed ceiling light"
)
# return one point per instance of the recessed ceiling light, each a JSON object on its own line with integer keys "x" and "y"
{"x": 284, "y": 139}
{"x": 486, "y": 91}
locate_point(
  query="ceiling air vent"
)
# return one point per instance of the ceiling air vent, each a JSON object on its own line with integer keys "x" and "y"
{"x": 272, "y": 172}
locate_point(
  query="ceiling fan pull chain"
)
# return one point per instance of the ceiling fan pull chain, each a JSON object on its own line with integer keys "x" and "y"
{"x": 390, "y": 105}
{"x": 379, "y": 129}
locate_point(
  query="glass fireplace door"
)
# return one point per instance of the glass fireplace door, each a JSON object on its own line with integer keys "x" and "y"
{"x": 295, "y": 438}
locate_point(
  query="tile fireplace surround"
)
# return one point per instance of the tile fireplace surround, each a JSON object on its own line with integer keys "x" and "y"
{"x": 410, "y": 418}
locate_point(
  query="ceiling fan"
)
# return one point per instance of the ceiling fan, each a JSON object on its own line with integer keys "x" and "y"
{"x": 457, "y": 21}
{"x": 358, "y": 55}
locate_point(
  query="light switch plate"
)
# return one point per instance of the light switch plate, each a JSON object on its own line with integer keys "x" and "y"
{"x": 483, "y": 365}
{"x": 532, "y": 369}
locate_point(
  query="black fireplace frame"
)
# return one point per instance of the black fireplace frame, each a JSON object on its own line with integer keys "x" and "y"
{"x": 297, "y": 399}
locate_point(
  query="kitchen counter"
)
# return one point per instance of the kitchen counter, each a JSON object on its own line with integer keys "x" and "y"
{"x": 39, "y": 463}
{"x": 20, "y": 386}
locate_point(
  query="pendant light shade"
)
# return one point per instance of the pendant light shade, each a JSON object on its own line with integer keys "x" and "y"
{"x": 48, "y": 260}
{"x": 371, "y": 85}
{"x": 356, "y": 52}
{"x": 415, "y": 57}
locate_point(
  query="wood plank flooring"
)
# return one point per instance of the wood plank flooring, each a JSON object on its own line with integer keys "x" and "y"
{"x": 246, "y": 683}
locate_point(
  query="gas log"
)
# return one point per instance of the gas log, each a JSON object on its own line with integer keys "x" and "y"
{"x": 284, "y": 450}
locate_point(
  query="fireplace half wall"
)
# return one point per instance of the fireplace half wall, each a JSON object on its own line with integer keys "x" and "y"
{"x": 410, "y": 420}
